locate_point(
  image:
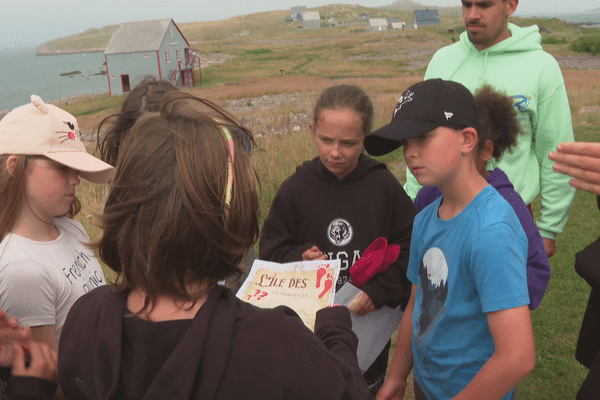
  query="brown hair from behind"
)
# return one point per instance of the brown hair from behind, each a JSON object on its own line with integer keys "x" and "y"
{"x": 12, "y": 187}
{"x": 147, "y": 96}
{"x": 165, "y": 222}
{"x": 341, "y": 97}
{"x": 499, "y": 121}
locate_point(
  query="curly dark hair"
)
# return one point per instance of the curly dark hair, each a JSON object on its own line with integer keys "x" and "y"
{"x": 498, "y": 120}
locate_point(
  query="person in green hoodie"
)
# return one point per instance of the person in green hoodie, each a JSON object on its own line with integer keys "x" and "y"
{"x": 511, "y": 59}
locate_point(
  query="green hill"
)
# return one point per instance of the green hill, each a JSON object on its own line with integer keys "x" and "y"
{"x": 277, "y": 25}
{"x": 92, "y": 40}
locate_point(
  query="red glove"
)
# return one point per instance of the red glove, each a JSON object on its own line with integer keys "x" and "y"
{"x": 376, "y": 258}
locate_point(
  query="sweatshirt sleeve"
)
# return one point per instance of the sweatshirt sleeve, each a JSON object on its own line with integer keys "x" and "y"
{"x": 333, "y": 327}
{"x": 277, "y": 241}
{"x": 553, "y": 126}
{"x": 30, "y": 388}
{"x": 538, "y": 266}
{"x": 392, "y": 287}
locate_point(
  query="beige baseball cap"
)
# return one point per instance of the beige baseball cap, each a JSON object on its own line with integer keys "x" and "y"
{"x": 43, "y": 129}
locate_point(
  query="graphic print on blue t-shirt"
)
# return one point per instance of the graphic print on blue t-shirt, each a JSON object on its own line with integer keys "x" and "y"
{"x": 434, "y": 284}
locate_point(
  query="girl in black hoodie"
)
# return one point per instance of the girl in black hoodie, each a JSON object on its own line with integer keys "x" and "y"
{"x": 338, "y": 203}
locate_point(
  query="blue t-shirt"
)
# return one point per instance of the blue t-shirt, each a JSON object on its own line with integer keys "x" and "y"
{"x": 463, "y": 267}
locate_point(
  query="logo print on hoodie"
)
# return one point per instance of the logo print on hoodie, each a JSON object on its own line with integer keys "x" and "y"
{"x": 339, "y": 232}
{"x": 521, "y": 102}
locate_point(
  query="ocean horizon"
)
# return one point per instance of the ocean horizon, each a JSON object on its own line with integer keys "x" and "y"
{"x": 24, "y": 73}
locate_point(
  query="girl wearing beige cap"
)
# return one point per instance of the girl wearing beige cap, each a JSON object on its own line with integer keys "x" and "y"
{"x": 45, "y": 264}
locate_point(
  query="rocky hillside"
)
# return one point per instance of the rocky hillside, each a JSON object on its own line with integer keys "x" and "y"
{"x": 92, "y": 40}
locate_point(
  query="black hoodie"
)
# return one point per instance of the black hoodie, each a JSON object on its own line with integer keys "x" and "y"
{"x": 342, "y": 217}
{"x": 230, "y": 350}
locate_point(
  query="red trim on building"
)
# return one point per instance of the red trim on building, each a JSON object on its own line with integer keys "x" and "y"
{"x": 188, "y": 43}
{"x": 158, "y": 61}
{"x": 107, "y": 74}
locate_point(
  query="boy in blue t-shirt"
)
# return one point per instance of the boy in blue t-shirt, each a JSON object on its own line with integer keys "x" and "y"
{"x": 467, "y": 327}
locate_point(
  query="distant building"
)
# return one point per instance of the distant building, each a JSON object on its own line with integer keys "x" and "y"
{"x": 378, "y": 24}
{"x": 156, "y": 48}
{"x": 426, "y": 18}
{"x": 333, "y": 22}
{"x": 311, "y": 20}
{"x": 296, "y": 12}
{"x": 397, "y": 26}
{"x": 364, "y": 17}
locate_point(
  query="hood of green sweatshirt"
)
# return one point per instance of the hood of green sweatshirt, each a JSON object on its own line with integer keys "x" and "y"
{"x": 521, "y": 39}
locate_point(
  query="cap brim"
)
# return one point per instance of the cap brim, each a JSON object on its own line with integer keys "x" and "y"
{"x": 90, "y": 168}
{"x": 393, "y": 135}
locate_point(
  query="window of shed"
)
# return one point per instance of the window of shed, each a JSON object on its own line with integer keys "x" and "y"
{"x": 178, "y": 54}
{"x": 170, "y": 32}
{"x": 167, "y": 56}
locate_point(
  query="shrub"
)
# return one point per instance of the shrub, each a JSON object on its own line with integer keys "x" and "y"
{"x": 589, "y": 44}
{"x": 553, "y": 40}
{"x": 259, "y": 51}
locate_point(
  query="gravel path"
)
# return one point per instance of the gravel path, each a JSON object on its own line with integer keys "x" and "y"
{"x": 280, "y": 123}
{"x": 579, "y": 62}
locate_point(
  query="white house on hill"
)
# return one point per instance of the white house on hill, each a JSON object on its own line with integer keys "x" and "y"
{"x": 311, "y": 20}
{"x": 378, "y": 24}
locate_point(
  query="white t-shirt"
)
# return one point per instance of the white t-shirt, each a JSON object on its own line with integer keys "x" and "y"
{"x": 40, "y": 281}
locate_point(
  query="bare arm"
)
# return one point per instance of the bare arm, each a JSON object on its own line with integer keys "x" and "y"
{"x": 581, "y": 160}
{"x": 513, "y": 358}
{"x": 395, "y": 383}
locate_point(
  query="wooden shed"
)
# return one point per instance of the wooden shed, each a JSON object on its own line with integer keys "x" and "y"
{"x": 157, "y": 48}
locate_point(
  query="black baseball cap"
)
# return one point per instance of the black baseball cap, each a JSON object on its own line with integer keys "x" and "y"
{"x": 422, "y": 108}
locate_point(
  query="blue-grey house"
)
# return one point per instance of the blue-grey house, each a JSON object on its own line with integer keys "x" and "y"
{"x": 157, "y": 48}
{"x": 296, "y": 12}
{"x": 426, "y": 18}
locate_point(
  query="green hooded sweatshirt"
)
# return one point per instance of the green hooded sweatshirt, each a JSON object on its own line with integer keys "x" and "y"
{"x": 519, "y": 67}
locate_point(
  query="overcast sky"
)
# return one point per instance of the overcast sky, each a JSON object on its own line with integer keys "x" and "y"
{"x": 29, "y": 23}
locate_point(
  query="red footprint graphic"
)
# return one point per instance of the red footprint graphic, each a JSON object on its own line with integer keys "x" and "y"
{"x": 326, "y": 286}
{"x": 320, "y": 273}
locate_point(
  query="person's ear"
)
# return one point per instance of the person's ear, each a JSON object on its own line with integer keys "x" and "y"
{"x": 487, "y": 151}
{"x": 11, "y": 165}
{"x": 313, "y": 130}
{"x": 511, "y": 7}
{"x": 469, "y": 136}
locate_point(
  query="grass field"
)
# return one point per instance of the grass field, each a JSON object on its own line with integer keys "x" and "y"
{"x": 384, "y": 65}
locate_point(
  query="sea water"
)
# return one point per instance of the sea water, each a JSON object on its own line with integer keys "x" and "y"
{"x": 22, "y": 74}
